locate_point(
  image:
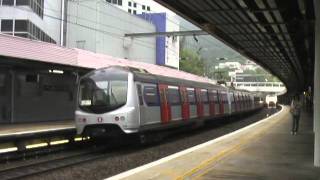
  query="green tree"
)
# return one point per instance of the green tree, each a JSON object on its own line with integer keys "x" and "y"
{"x": 191, "y": 62}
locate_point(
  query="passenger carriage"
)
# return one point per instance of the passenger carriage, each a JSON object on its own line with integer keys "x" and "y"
{"x": 127, "y": 100}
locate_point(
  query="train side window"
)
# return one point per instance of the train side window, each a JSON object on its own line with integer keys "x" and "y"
{"x": 174, "y": 96}
{"x": 191, "y": 96}
{"x": 151, "y": 96}
{"x": 183, "y": 95}
{"x": 231, "y": 97}
{"x": 204, "y": 96}
{"x": 224, "y": 98}
{"x": 139, "y": 90}
{"x": 211, "y": 95}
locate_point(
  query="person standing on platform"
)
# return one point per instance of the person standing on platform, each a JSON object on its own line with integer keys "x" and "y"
{"x": 295, "y": 111}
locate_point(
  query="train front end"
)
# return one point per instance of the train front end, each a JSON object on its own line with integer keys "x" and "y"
{"x": 107, "y": 105}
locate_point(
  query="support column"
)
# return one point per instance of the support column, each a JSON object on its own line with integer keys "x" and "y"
{"x": 316, "y": 100}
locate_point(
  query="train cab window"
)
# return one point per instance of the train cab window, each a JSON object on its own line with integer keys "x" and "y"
{"x": 174, "y": 96}
{"x": 204, "y": 96}
{"x": 191, "y": 96}
{"x": 103, "y": 90}
{"x": 151, "y": 96}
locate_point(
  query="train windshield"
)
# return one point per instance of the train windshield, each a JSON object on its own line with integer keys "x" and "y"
{"x": 103, "y": 91}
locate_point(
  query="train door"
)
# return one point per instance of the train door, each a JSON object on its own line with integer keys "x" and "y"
{"x": 150, "y": 111}
{"x": 212, "y": 94}
{"x": 221, "y": 102}
{"x": 185, "y": 113}
{"x": 192, "y": 102}
{"x": 164, "y": 104}
{"x": 199, "y": 103}
{"x": 239, "y": 97}
{"x": 173, "y": 96}
{"x": 242, "y": 102}
{"x": 236, "y": 102}
{"x": 5, "y": 96}
{"x": 205, "y": 102}
{"x": 232, "y": 102}
{"x": 226, "y": 103}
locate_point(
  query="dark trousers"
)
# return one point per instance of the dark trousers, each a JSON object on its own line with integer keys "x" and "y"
{"x": 295, "y": 123}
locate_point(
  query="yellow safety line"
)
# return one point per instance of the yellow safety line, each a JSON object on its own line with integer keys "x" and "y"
{"x": 224, "y": 153}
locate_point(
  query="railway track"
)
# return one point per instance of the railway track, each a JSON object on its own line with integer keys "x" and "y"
{"x": 20, "y": 172}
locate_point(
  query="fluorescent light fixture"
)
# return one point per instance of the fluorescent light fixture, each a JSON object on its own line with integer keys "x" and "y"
{"x": 6, "y": 150}
{"x": 59, "y": 142}
{"x": 36, "y": 145}
{"x": 55, "y": 71}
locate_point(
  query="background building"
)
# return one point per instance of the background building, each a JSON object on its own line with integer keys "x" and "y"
{"x": 165, "y": 21}
{"x": 100, "y": 27}
{"x": 34, "y": 19}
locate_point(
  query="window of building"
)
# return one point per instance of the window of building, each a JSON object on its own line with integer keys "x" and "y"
{"x": 24, "y": 35}
{"x": 191, "y": 96}
{"x": 37, "y": 7}
{"x": 129, "y": 3}
{"x": 151, "y": 96}
{"x": 135, "y": 5}
{"x": 32, "y": 78}
{"x": 134, "y": 12}
{"x": 148, "y": 8}
{"x": 7, "y": 25}
{"x": 22, "y": 2}
{"x": 81, "y": 44}
{"x": 21, "y": 26}
{"x": 120, "y": 2}
{"x": 7, "y": 2}
{"x": 109, "y": 1}
{"x": 129, "y": 10}
{"x": 174, "y": 96}
{"x": 114, "y": 2}
{"x": 143, "y": 7}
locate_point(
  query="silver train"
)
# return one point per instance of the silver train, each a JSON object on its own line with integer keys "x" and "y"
{"x": 123, "y": 100}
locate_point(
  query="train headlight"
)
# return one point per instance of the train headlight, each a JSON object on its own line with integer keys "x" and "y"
{"x": 122, "y": 118}
{"x": 117, "y": 118}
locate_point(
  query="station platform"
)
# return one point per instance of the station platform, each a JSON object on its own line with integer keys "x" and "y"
{"x": 21, "y": 129}
{"x": 263, "y": 150}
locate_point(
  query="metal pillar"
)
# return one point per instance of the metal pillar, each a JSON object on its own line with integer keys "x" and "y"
{"x": 316, "y": 100}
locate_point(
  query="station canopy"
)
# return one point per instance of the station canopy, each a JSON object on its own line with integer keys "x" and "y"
{"x": 276, "y": 34}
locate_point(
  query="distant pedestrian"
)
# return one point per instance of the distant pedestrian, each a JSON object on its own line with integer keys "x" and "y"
{"x": 295, "y": 110}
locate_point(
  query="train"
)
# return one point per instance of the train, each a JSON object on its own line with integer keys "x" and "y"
{"x": 125, "y": 100}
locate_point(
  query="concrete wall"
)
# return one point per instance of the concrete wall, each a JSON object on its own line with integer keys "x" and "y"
{"x": 50, "y": 24}
{"x": 5, "y": 95}
{"x": 36, "y": 96}
{"x": 100, "y": 27}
